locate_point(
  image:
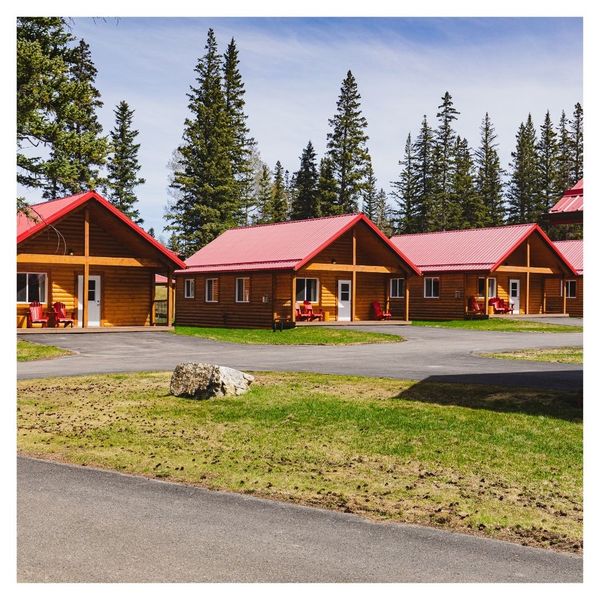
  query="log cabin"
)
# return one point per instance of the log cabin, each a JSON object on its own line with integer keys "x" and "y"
{"x": 255, "y": 276}
{"x": 517, "y": 263}
{"x": 572, "y": 290}
{"x": 569, "y": 209}
{"x": 83, "y": 247}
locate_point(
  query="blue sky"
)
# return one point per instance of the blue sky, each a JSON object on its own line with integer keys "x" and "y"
{"x": 293, "y": 68}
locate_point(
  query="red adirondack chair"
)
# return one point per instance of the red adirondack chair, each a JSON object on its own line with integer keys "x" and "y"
{"x": 36, "y": 315}
{"x": 312, "y": 314}
{"x": 508, "y": 306}
{"x": 474, "y": 306}
{"x": 498, "y": 305}
{"x": 301, "y": 314}
{"x": 380, "y": 314}
{"x": 60, "y": 315}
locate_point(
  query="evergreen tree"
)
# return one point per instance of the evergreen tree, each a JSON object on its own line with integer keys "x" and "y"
{"x": 78, "y": 150}
{"x": 279, "y": 205}
{"x": 242, "y": 147}
{"x": 42, "y": 71}
{"x": 381, "y": 215}
{"x": 464, "y": 194}
{"x": 206, "y": 202}
{"x": 524, "y": 199}
{"x": 305, "y": 204}
{"x": 369, "y": 204}
{"x": 488, "y": 182}
{"x": 547, "y": 150}
{"x": 406, "y": 191}
{"x": 264, "y": 195}
{"x": 564, "y": 159}
{"x": 151, "y": 232}
{"x": 346, "y": 146}
{"x": 327, "y": 189}
{"x": 423, "y": 151}
{"x": 577, "y": 143}
{"x": 446, "y": 214}
{"x": 123, "y": 166}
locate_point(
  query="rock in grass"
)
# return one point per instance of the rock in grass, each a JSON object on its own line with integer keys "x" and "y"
{"x": 202, "y": 381}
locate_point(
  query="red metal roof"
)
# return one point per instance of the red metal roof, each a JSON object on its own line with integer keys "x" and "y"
{"x": 52, "y": 210}
{"x": 572, "y": 200}
{"x": 572, "y": 250}
{"x": 288, "y": 245}
{"x": 467, "y": 249}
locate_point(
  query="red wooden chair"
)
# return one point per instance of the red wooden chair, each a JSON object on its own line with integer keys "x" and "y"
{"x": 301, "y": 314}
{"x": 498, "y": 305}
{"x": 380, "y": 315}
{"x": 474, "y": 306}
{"x": 60, "y": 315}
{"x": 311, "y": 313}
{"x": 508, "y": 306}
{"x": 36, "y": 315}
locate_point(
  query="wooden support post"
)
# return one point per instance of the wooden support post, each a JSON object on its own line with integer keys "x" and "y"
{"x": 293, "y": 305}
{"x": 486, "y": 295}
{"x": 353, "y": 315}
{"x": 465, "y": 299}
{"x": 544, "y": 296}
{"x": 564, "y": 292}
{"x": 169, "y": 299}
{"x": 86, "y": 266}
{"x": 527, "y": 278}
{"x": 153, "y": 299}
{"x": 406, "y": 300}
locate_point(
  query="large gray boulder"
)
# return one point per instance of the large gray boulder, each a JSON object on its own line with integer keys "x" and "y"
{"x": 202, "y": 381}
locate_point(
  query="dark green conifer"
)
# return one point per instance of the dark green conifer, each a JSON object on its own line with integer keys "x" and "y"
{"x": 305, "y": 202}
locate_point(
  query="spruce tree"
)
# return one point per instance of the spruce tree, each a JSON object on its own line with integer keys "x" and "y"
{"x": 488, "y": 181}
{"x": 123, "y": 166}
{"x": 264, "y": 195}
{"x": 369, "y": 194}
{"x": 206, "y": 202}
{"x": 564, "y": 174}
{"x": 464, "y": 194}
{"x": 346, "y": 146}
{"x": 305, "y": 204}
{"x": 547, "y": 149}
{"x": 42, "y": 71}
{"x": 381, "y": 215}
{"x": 406, "y": 192}
{"x": 242, "y": 144}
{"x": 78, "y": 150}
{"x": 577, "y": 143}
{"x": 524, "y": 198}
{"x": 446, "y": 213}
{"x": 279, "y": 205}
{"x": 327, "y": 189}
{"x": 423, "y": 207}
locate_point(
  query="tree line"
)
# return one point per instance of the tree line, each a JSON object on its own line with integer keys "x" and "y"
{"x": 218, "y": 180}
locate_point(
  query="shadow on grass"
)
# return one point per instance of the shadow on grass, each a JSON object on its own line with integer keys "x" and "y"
{"x": 491, "y": 392}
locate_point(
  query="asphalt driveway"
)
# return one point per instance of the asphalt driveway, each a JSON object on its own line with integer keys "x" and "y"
{"x": 427, "y": 353}
{"x": 86, "y": 525}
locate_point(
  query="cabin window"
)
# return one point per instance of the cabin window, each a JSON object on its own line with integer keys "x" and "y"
{"x": 397, "y": 287}
{"x": 242, "y": 289}
{"x": 571, "y": 288}
{"x": 31, "y": 287}
{"x": 210, "y": 290}
{"x": 188, "y": 288}
{"x": 432, "y": 287}
{"x": 491, "y": 287}
{"x": 307, "y": 289}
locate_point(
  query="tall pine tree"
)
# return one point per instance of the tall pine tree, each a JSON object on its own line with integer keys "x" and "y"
{"x": 305, "y": 204}
{"x": 123, "y": 166}
{"x": 346, "y": 146}
{"x": 464, "y": 195}
{"x": 524, "y": 198}
{"x": 547, "y": 149}
{"x": 423, "y": 208}
{"x": 577, "y": 142}
{"x": 264, "y": 195}
{"x": 564, "y": 175}
{"x": 327, "y": 189}
{"x": 207, "y": 201}
{"x": 279, "y": 204}
{"x": 369, "y": 194}
{"x": 406, "y": 192}
{"x": 381, "y": 214}
{"x": 488, "y": 180}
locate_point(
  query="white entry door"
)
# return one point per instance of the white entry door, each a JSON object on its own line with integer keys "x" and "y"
{"x": 344, "y": 300}
{"x": 93, "y": 301}
{"x": 514, "y": 286}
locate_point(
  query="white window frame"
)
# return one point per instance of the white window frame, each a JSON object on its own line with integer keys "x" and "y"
{"x": 27, "y": 274}
{"x": 318, "y": 289}
{"x": 495, "y": 286}
{"x": 215, "y": 285}
{"x": 236, "y": 290}
{"x": 189, "y": 294}
{"x": 567, "y": 286}
{"x": 425, "y": 287}
{"x": 403, "y": 280}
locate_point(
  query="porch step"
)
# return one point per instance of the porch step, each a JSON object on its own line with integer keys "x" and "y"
{"x": 75, "y": 330}
{"x": 349, "y": 323}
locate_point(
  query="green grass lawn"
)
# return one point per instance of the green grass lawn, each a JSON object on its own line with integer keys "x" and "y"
{"x": 32, "y": 351}
{"x": 555, "y": 355}
{"x": 500, "y": 325}
{"x": 305, "y": 336}
{"x": 500, "y": 462}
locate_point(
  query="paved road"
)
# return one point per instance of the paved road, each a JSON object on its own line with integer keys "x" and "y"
{"x": 428, "y": 353}
{"x": 86, "y": 525}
